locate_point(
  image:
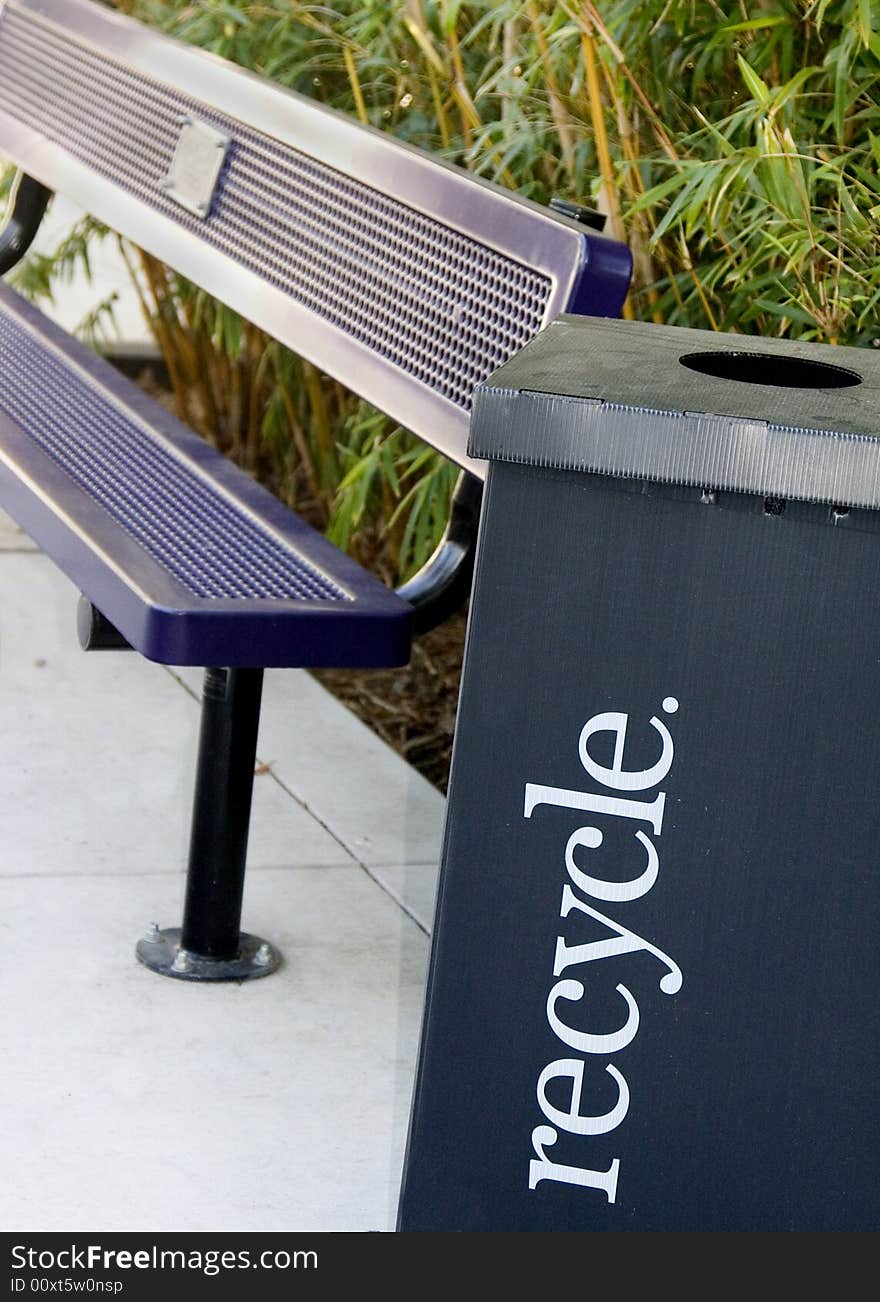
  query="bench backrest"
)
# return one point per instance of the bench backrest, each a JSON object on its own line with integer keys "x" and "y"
{"x": 404, "y": 277}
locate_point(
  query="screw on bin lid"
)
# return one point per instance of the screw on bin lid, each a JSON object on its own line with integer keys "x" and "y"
{"x": 664, "y": 403}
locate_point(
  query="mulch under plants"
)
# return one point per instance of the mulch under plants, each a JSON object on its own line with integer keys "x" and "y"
{"x": 413, "y": 708}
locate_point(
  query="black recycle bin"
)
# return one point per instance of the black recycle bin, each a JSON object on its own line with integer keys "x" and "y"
{"x": 654, "y": 995}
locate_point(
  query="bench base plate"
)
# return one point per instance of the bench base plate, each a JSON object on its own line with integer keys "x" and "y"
{"x": 160, "y": 951}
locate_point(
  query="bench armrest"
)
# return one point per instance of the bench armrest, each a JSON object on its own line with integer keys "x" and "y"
{"x": 443, "y": 583}
{"x": 27, "y": 206}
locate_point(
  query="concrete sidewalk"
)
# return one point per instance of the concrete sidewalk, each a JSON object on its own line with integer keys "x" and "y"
{"x": 132, "y": 1102}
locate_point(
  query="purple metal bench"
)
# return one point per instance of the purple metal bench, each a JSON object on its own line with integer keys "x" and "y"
{"x": 403, "y": 277}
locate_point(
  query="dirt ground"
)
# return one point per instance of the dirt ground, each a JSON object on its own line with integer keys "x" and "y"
{"x": 412, "y": 709}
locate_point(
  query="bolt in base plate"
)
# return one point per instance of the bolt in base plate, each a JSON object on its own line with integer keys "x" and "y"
{"x": 160, "y": 951}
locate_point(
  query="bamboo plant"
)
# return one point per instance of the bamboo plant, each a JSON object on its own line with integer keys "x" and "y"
{"x": 735, "y": 146}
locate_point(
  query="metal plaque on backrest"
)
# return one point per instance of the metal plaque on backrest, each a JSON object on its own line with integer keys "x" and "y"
{"x": 196, "y": 166}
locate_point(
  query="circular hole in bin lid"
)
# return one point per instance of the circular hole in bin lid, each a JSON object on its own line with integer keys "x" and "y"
{"x": 765, "y": 368}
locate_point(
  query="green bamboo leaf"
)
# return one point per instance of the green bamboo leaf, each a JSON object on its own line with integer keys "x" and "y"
{"x": 389, "y": 469}
{"x": 793, "y": 87}
{"x": 654, "y": 197}
{"x": 231, "y": 333}
{"x": 758, "y": 89}
{"x": 756, "y": 24}
{"x": 788, "y": 310}
{"x": 99, "y": 323}
{"x": 864, "y": 21}
{"x": 450, "y": 11}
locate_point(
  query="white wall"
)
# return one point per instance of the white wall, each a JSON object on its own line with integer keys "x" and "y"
{"x": 109, "y": 273}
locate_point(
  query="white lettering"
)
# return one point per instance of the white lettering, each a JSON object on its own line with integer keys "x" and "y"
{"x": 545, "y": 1137}
{"x": 627, "y": 942}
{"x": 646, "y": 812}
{"x": 573, "y": 1121}
{"x": 620, "y": 941}
{"x": 616, "y": 775}
{"x": 616, "y": 892}
{"x": 581, "y": 1040}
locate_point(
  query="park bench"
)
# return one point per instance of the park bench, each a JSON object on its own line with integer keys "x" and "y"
{"x": 403, "y": 277}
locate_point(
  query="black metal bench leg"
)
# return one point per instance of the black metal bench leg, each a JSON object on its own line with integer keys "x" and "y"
{"x": 209, "y": 946}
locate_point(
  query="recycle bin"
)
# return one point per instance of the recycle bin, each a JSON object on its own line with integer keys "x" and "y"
{"x": 653, "y": 995}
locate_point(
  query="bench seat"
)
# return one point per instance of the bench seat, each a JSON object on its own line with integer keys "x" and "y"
{"x": 193, "y": 562}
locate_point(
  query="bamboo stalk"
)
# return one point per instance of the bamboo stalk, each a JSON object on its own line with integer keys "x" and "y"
{"x": 439, "y": 108}
{"x": 510, "y": 39}
{"x": 300, "y": 441}
{"x": 660, "y": 131}
{"x": 600, "y": 135}
{"x": 470, "y": 113}
{"x": 423, "y": 40}
{"x": 354, "y": 82}
{"x": 191, "y": 347}
{"x": 470, "y": 118}
{"x": 689, "y": 267}
{"x": 234, "y": 411}
{"x": 554, "y": 98}
{"x": 323, "y": 434}
{"x": 138, "y": 289}
{"x": 617, "y": 54}
{"x": 161, "y": 333}
{"x": 644, "y": 271}
{"x": 255, "y": 342}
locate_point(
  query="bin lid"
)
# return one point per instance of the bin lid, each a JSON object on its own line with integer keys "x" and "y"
{"x": 693, "y": 407}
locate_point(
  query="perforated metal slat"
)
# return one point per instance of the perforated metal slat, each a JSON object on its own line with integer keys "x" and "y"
{"x": 198, "y": 535}
{"x": 444, "y": 308}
